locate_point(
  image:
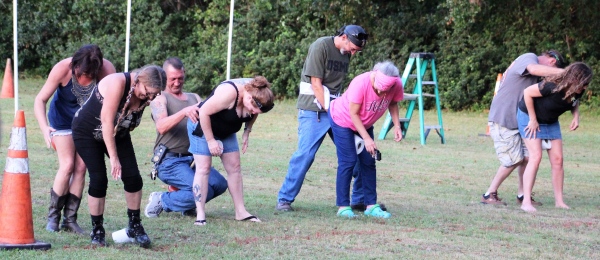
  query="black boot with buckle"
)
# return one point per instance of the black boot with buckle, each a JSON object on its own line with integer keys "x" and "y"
{"x": 56, "y": 205}
{"x": 98, "y": 234}
{"x": 136, "y": 230}
{"x": 70, "y": 215}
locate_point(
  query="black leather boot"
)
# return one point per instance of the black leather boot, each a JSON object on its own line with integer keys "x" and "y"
{"x": 136, "y": 230}
{"x": 98, "y": 234}
{"x": 56, "y": 205}
{"x": 70, "y": 215}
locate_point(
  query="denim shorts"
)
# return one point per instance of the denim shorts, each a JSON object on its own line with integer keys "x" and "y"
{"x": 61, "y": 132}
{"x": 198, "y": 145}
{"x": 547, "y": 131}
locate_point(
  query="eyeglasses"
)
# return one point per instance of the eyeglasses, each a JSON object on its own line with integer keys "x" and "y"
{"x": 263, "y": 108}
{"x": 150, "y": 96}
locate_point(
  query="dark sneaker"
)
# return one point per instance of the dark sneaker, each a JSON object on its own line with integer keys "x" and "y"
{"x": 533, "y": 202}
{"x": 154, "y": 206}
{"x": 98, "y": 236}
{"x": 492, "y": 199}
{"x": 359, "y": 207}
{"x": 284, "y": 206}
{"x": 137, "y": 232}
{"x": 189, "y": 213}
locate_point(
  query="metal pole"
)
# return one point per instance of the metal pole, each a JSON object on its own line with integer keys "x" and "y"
{"x": 127, "y": 35}
{"x": 229, "y": 39}
{"x": 15, "y": 57}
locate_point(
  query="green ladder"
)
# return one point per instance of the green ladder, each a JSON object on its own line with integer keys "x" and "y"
{"x": 422, "y": 60}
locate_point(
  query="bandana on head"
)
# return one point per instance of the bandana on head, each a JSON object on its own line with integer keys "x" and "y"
{"x": 384, "y": 82}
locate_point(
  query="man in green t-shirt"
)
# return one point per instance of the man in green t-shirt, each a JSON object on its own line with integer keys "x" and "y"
{"x": 324, "y": 70}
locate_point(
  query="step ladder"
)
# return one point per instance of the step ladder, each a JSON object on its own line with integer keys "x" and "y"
{"x": 419, "y": 62}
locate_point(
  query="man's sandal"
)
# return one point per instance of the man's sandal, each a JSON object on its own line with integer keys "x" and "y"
{"x": 200, "y": 222}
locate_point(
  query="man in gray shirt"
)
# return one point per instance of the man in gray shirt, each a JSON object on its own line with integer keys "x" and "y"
{"x": 324, "y": 71}
{"x": 525, "y": 71}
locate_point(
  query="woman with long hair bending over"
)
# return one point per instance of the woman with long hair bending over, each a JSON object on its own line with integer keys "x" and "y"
{"x": 102, "y": 126}
{"x": 537, "y": 117}
{"x": 231, "y": 104}
{"x": 71, "y": 81}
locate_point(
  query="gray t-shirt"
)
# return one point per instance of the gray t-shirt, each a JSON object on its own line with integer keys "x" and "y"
{"x": 515, "y": 79}
{"x": 324, "y": 61}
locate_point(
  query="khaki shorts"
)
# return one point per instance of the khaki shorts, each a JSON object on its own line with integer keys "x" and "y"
{"x": 508, "y": 144}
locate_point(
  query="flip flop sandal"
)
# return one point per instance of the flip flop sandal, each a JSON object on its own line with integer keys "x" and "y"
{"x": 200, "y": 222}
{"x": 377, "y": 212}
{"x": 346, "y": 212}
{"x": 250, "y": 219}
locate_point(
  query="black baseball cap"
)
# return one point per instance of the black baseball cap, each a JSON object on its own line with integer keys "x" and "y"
{"x": 355, "y": 33}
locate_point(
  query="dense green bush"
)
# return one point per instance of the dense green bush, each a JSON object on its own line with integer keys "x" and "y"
{"x": 473, "y": 40}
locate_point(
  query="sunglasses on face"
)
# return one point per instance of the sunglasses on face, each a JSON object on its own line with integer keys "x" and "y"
{"x": 262, "y": 107}
{"x": 360, "y": 38}
{"x": 555, "y": 56}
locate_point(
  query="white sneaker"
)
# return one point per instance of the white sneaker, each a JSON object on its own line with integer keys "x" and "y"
{"x": 154, "y": 206}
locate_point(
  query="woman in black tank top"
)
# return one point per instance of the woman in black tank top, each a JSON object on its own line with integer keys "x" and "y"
{"x": 231, "y": 104}
{"x": 102, "y": 126}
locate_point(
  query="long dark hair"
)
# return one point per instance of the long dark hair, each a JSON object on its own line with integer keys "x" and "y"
{"x": 87, "y": 60}
{"x": 572, "y": 80}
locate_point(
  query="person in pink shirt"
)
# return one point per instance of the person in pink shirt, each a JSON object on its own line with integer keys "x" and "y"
{"x": 367, "y": 98}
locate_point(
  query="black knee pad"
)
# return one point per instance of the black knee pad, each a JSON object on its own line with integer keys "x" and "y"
{"x": 98, "y": 185}
{"x": 133, "y": 184}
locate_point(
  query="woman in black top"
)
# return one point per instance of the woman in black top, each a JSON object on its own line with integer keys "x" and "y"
{"x": 537, "y": 116}
{"x": 231, "y": 104}
{"x": 102, "y": 126}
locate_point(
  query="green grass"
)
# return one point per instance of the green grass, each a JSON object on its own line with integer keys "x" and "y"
{"x": 433, "y": 192}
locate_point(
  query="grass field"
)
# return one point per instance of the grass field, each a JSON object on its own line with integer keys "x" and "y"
{"x": 433, "y": 192}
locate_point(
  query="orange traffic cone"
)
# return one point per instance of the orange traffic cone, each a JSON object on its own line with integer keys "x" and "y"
{"x": 16, "y": 220}
{"x": 498, "y": 79}
{"x": 8, "y": 87}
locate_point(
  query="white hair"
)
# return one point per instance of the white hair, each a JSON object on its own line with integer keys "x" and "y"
{"x": 387, "y": 68}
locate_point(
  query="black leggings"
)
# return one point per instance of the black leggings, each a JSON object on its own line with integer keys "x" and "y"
{"x": 92, "y": 152}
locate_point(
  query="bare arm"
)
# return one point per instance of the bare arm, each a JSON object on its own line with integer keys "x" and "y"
{"x": 394, "y": 112}
{"x": 542, "y": 70}
{"x": 165, "y": 122}
{"x": 107, "y": 69}
{"x": 59, "y": 73}
{"x": 317, "y": 86}
{"x": 111, "y": 88}
{"x": 575, "y": 122}
{"x": 246, "y": 134}
{"x": 224, "y": 98}
{"x": 533, "y": 126}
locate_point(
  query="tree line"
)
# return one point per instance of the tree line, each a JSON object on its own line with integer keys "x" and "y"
{"x": 472, "y": 41}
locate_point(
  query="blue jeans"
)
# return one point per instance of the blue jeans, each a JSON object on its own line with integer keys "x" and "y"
{"x": 178, "y": 173}
{"x": 347, "y": 161}
{"x": 312, "y": 129}
{"x": 357, "y": 192}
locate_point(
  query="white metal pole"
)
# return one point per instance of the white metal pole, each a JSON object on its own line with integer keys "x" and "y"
{"x": 15, "y": 57}
{"x": 127, "y": 36}
{"x": 229, "y": 40}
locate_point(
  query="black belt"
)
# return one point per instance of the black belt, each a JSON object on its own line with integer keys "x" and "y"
{"x": 177, "y": 155}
